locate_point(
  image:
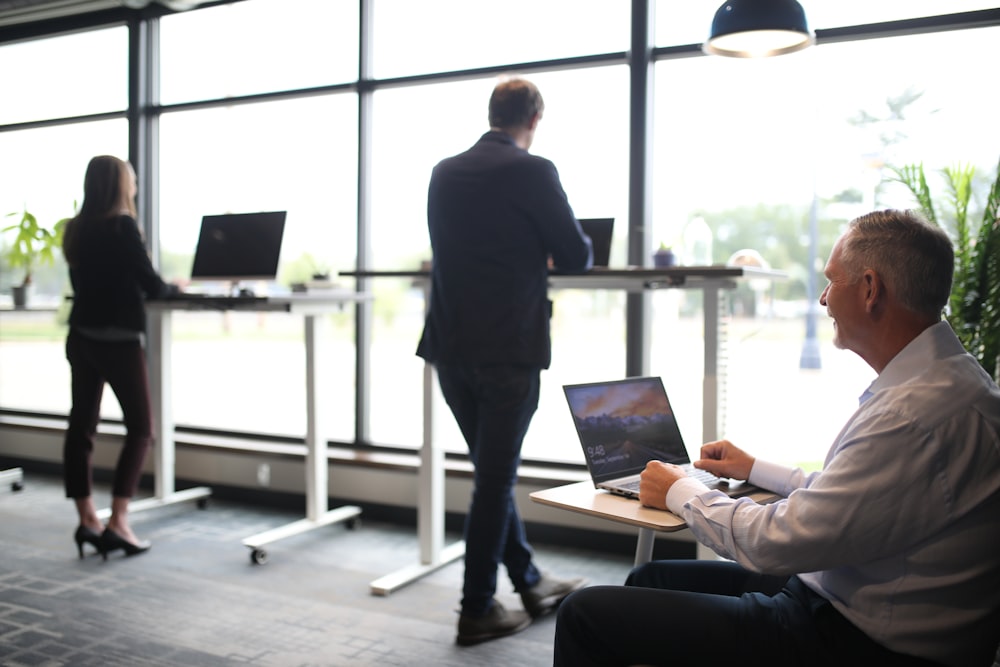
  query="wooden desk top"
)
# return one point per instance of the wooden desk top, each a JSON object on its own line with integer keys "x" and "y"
{"x": 583, "y": 498}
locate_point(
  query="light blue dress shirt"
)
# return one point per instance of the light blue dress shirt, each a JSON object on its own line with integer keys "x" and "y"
{"x": 901, "y": 529}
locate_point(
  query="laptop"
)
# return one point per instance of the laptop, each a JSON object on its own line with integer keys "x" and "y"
{"x": 623, "y": 425}
{"x": 599, "y": 230}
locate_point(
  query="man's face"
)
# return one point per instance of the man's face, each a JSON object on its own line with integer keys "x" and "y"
{"x": 844, "y": 300}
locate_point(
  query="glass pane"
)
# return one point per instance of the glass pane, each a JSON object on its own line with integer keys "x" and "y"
{"x": 746, "y": 161}
{"x": 690, "y": 22}
{"x": 42, "y": 170}
{"x": 69, "y": 66}
{"x": 257, "y": 46}
{"x": 218, "y": 161}
{"x": 594, "y": 175}
{"x": 445, "y": 35}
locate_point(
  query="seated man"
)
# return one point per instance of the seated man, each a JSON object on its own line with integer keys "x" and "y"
{"x": 888, "y": 556}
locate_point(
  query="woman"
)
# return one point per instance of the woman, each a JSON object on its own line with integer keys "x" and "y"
{"x": 111, "y": 275}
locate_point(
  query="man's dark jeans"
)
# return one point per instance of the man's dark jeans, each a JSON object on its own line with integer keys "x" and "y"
{"x": 493, "y": 406}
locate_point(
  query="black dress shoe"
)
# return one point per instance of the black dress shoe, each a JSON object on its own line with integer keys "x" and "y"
{"x": 112, "y": 541}
{"x": 498, "y": 622}
{"x": 84, "y": 535}
{"x": 546, "y": 595}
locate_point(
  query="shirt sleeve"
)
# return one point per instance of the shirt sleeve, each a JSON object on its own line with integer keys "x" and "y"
{"x": 145, "y": 274}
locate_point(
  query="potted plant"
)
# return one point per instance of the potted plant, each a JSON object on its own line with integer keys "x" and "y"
{"x": 32, "y": 244}
{"x": 974, "y": 308}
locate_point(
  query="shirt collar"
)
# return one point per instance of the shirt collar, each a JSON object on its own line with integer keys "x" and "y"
{"x": 935, "y": 342}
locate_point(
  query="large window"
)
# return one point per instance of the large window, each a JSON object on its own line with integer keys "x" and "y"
{"x": 256, "y": 107}
{"x": 593, "y": 170}
{"x": 445, "y": 35}
{"x": 257, "y": 47}
{"x": 62, "y": 77}
{"x": 742, "y": 150}
{"x": 41, "y": 171}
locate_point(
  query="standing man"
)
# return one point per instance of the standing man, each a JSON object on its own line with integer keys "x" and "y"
{"x": 888, "y": 556}
{"x": 498, "y": 217}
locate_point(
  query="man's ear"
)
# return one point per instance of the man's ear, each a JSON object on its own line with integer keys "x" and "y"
{"x": 534, "y": 121}
{"x": 875, "y": 289}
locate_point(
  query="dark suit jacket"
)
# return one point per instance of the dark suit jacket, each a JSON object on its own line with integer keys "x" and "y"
{"x": 112, "y": 276}
{"x": 495, "y": 214}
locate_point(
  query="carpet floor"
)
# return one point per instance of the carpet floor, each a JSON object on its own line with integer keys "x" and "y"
{"x": 196, "y": 600}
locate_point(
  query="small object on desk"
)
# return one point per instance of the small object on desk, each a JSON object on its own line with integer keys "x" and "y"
{"x": 315, "y": 286}
{"x": 664, "y": 257}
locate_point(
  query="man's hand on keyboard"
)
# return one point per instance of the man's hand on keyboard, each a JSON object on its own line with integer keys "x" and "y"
{"x": 656, "y": 480}
{"x": 724, "y": 459}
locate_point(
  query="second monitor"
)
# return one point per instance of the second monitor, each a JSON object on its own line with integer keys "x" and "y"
{"x": 234, "y": 247}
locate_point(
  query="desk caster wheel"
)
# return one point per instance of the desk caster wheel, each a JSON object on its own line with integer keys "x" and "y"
{"x": 17, "y": 486}
{"x": 353, "y": 524}
{"x": 258, "y": 556}
{"x": 202, "y": 503}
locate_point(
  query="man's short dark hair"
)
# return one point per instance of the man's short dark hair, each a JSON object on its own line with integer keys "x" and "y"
{"x": 514, "y": 103}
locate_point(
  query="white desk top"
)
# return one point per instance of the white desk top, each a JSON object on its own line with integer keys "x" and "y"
{"x": 301, "y": 303}
{"x": 583, "y": 498}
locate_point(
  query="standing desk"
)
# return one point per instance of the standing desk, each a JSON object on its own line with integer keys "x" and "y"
{"x": 711, "y": 280}
{"x": 312, "y": 307}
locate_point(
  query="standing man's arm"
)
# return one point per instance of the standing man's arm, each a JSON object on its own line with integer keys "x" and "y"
{"x": 570, "y": 249}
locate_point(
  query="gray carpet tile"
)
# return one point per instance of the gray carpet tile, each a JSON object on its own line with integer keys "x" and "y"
{"x": 196, "y": 600}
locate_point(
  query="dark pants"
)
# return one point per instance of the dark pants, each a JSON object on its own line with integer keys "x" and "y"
{"x": 123, "y": 366}
{"x": 493, "y": 406}
{"x": 702, "y": 612}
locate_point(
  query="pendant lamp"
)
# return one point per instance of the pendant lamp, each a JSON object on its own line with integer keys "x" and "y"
{"x": 758, "y": 28}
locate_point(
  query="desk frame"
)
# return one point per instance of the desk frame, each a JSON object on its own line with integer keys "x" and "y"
{"x": 312, "y": 308}
{"x": 711, "y": 280}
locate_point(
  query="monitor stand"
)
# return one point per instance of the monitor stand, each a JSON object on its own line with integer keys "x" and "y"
{"x": 237, "y": 289}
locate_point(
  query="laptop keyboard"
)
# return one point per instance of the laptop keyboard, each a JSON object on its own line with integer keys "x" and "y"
{"x": 703, "y": 476}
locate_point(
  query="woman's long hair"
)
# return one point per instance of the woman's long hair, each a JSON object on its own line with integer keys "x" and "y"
{"x": 106, "y": 194}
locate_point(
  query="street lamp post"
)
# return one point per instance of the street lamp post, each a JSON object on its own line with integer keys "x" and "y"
{"x": 810, "y": 347}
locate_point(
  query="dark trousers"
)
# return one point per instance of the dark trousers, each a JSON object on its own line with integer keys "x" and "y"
{"x": 702, "y": 612}
{"x": 123, "y": 366}
{"x": 493, "y": 406}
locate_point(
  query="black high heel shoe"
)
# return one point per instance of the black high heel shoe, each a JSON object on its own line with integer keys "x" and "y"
{"x": 84, "y": 535}
{"x": 112, "y": 541}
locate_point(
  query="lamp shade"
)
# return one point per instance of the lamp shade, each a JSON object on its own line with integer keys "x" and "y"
{"x": 758, "y": 28}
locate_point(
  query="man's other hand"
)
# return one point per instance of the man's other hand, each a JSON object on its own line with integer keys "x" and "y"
{"x": 655, "y": 481}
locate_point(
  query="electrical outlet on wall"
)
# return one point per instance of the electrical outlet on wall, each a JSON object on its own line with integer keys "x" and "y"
{"x": 264, "y": 475}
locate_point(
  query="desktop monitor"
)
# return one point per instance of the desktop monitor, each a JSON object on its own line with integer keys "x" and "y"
{"x": 239, "y": 246}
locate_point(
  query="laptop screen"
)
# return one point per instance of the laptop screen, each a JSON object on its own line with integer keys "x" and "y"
{"x": 239, "y": 246}
{"x": 599, "y": 230}
{"x": 623, "y": 425}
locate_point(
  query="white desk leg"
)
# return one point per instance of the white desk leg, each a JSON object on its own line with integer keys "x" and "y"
{"x": 159, "y": 352}
{"x": 710, "y": 386}
{"x": 430, "y": 507}
{"x": 430, "y": 481}
{"x": 158, "y": 355}
{"x": 644, "y": 547}
{"x": 317, "y": 482}
{"x": 714, "y": 341}
{"x": 317, "y": 465}
{"x": 430, "y": 500}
